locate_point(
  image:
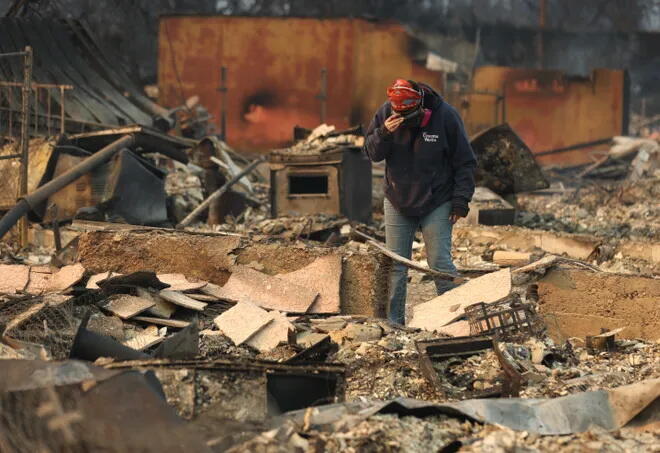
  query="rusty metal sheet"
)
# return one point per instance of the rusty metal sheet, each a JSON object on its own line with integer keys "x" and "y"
{"x": 548, "y": 109}
{"x": 74, "y": 196}
{"x": 40, "y": 150}
{"x": 277, "y": 85}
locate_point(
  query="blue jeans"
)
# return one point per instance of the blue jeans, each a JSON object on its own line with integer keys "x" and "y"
{"x": 400, "y": 233}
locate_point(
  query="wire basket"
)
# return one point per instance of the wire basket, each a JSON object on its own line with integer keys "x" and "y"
{"x": 508, "y": 319}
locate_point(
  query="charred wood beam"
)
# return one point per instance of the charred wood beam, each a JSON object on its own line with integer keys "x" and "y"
{"x": 400, "y": 259}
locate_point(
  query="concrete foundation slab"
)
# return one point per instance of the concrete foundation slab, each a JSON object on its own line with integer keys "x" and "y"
{"x": 577, "y": 303}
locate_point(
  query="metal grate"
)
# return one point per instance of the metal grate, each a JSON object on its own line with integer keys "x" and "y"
{"x": 508, "y": 319}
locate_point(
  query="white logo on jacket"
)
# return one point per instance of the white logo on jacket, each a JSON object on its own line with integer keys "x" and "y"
{"x": 429, "y": 137}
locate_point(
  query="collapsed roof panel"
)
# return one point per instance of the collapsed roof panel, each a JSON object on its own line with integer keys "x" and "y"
{"x": 66, "y": 55}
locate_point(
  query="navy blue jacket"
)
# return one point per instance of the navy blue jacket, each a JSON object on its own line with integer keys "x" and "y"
{"x": 425, "y": 166}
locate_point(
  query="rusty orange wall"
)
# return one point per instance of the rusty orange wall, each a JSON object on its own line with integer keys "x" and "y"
{"x": 550, "y": 110}
{"x": 274, "y": 67}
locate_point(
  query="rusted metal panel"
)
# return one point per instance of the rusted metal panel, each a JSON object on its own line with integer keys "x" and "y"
{"x": 548, "y": 109}
{"x": 274, "y": 71}
{"x": 40, "y": 153}
{"x": 74, "y": 196}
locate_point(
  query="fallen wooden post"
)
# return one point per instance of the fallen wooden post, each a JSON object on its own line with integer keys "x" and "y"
{"x": 400, "y": 259}
{"x": 205, "y": 204}
{"x": 550, "y": 260}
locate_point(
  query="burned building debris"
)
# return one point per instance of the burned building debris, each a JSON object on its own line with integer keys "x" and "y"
{"x": 326, "y": 173}
{"x": 163, "y": 288}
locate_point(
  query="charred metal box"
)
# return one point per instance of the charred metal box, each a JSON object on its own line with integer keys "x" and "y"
{"x": 336, "y": 182}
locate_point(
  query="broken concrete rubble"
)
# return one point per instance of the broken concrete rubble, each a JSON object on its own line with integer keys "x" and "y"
{"x": 180, "y": 299}
{"x": 14, "y": 277}
{"x": 506, "y": 258}
{"x": 39, "y": 279}
{"x": 242, "y": 321}
{"x": 278, "y": 331}
{"x": 162, "y": 322}
{"x": 323, "y": 276}
{"x": 178, "y": 282}
{"x": 161, "y": 307}
{"x": 247, "y": 285}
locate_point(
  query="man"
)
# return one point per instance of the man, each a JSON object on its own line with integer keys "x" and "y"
{"x": 429, "y": 179}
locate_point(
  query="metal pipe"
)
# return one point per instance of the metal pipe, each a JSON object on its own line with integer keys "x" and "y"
{"x": 323, "y": 94}
{"x": 62, "y": 118}
{"x": 215, "y": 195}
{"x": 42, "y": 193}
{"x": 35, "y": 85}
{"x": 25, "y": 134}
{"x": 223, "y": 107}
{"x": 13, "y": 54}
{"x": 601, "y": 141}
{"x": 539, "y": 43}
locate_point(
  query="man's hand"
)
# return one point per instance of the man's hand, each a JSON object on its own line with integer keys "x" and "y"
{"x": 453, "y": 218}
{"x": 393, "y": 122}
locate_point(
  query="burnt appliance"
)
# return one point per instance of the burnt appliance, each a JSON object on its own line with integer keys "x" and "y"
{"x": 333, "y": 182}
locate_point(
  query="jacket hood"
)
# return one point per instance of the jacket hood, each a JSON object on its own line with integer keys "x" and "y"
{"x": 432, "y": 99}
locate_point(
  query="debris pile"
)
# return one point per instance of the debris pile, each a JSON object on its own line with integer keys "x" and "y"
{"x": 334, "y": 381}
{"x": 605, "y": 209}
{"x": 161, "y": 291}
{"x": 323, "y": 139}
{"x": 255, "y": 328}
